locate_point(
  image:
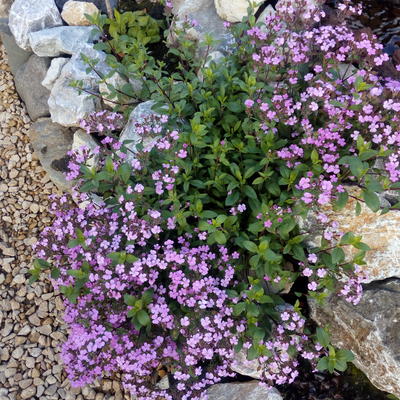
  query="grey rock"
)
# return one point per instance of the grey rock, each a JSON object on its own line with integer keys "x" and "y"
{"x": 101, "y": 4}
{"x": 28, "y": 78}
{"x": 51, "y": 142}
{"x": 370, "y": 330}
{"x": 242, "y": 391}
{"x": 4, "y": 25}
{"x": 31, "y": 16}
{"x": 138, "y": 115}
{"x": 244, "y": 367}
{"x": 16, "y": 56}
{"x": 205, "y": 14}
{"x": 81, "y": 138}
{"x": 59, "y": 40}
{"x": 67, "y": 106}
{"x": 54, "y": 72}
{"x": 5, "y": 8}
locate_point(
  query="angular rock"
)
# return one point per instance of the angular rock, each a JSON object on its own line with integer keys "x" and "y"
{"x": 100, "y": 4}
{"x": 5, "y": 8}
{"x": 138, "y": 115}
{"x": 243, "y": 366}
{"x": 67, "y": 106}
{"x": 380, "y": 232}
{"x": 28, "y": 78}
{"x": 31, "y": 16}
{"x": 15, "y": 55}
{"x": 73, "y": 12}
{"x": 51, "y": 143}
{"x": 53, "y": 42}
{"x": 207, "y": 21}
{"x": 81, "y": 138}
{"x": 370, "y": 330}
{"x": 54, "y": 72}
{"x": 242, "y": 391}
{"x": 234, "y": 10}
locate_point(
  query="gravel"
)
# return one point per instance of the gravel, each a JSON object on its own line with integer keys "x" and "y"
{"x": 31, "y": 326}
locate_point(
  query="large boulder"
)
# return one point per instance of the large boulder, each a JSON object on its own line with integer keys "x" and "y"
{"x": 206, "y": 21}
{"x": 53, "y": 42}
{"x": 242, "y": 391}
{"x": 5, "y": 8}
{"x": 370, "y": 330}
{"x": 73, "y": 12}
{"x": 380, "y": 232}
{"x": 131, "y": 132}
{"x": 28, "y": 78}
{"x": 234, "y": 10}
{"x": 15, "y": 55}
{"x": 100, "y": 4}
{"x": 51, "y": 143}
{"x": 54, "y": 72}
{"x": 28, "y": 16}
{"x": 67, "y": 105}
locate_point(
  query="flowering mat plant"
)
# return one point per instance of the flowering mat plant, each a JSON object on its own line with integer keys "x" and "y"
{"x": 186, "y": 239}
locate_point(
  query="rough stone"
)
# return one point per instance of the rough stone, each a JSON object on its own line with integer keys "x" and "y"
{"x": 81, "y": 138}
{"x": 28, "y": 80}
{"x": 208, "y": 21}
{"x": 5, "y": 8}
{"x": 380, "y": 232}
{"x": 73, "y": 12}
{"x": 54, "y": 72}
{"x": 234, "y": 10}
{"x": 244, "y": 367}
{"x": 59, "y": 40}
{"x": 240, "y": 391}
{"x": 67, "y": 105}
{"x": 370, "y": 330}
{"x": 16, "y": 56}
{"x": 31, "y": 16}
{"x": 100, "y": 4}
{"x": 138, "y": 115}
{"x": 51, "y": 142}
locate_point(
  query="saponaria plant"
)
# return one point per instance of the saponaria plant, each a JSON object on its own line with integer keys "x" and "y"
{"x": 185, "y": 261}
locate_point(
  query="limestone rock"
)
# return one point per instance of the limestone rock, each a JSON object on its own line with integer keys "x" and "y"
{"x": 380, "y": 232}
{"x": 138, "y": 115}
{"x": 31, "y": 16}
{"x": 73, "y": 12}
{"x": 207, "y": 21}
{"x": 27, "y": 82}
{"x": 81, "y": 138}
{"x": 16, "y": 56}
{"x": 51, "y": 143}
{"x": 245, "y": 367}
{"x": 67, "y": 106}
{"x": 242, "y": 391}
{"x": 5, "y": 8}
{"x": 53, "y": 42}
{"x": 54, "y": 72}
{"x": 234, "y": 10}
{"x": 100, "y": 4}
{"x": 370, "y": 330}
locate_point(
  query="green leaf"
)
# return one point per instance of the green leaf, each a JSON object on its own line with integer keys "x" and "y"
{"x": 371, "y": 200}
{"x": 322, "y": 364}
{"x": 220, "y": 237}
{"x": 358, "y": 209}
{"x": 238, "y": 308}
{"x": 143, "y": 317}
{"x": 250, "y": 246}
{"x": 341, "y": 200}
{"x": 124, "y": 171}
{"x": 250, "y": 192}
{"x": 338, "y": 255}
{"x": 323, "y": 337}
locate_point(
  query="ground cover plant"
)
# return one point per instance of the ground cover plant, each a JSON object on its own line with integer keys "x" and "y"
{"x": 185, "y": 260}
